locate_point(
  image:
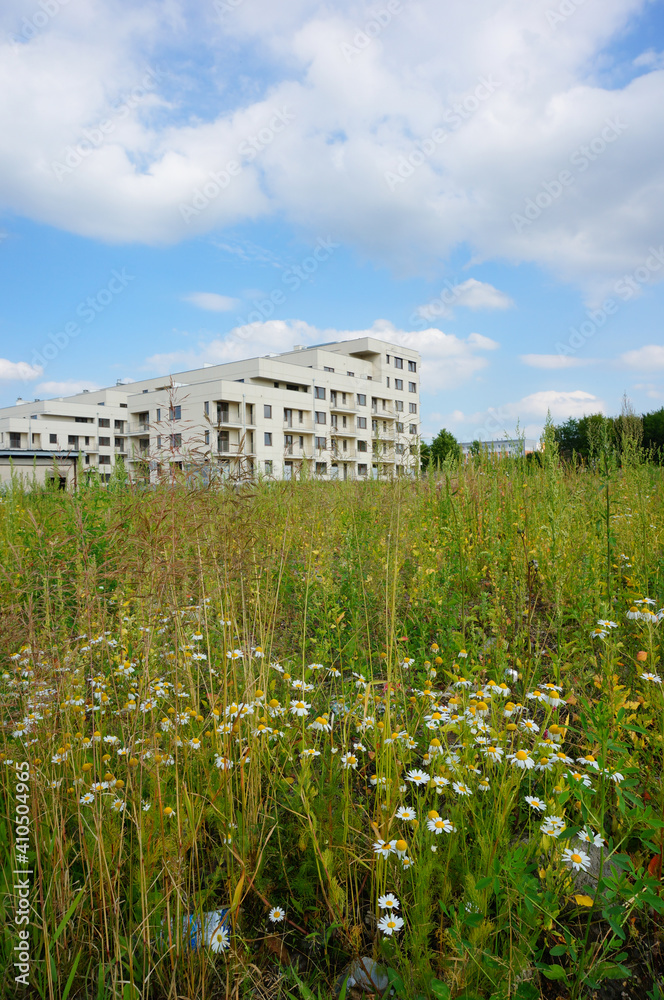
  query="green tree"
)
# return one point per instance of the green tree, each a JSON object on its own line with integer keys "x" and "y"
{"x": 653, "y": 432}
{"x": 443, "y": 446}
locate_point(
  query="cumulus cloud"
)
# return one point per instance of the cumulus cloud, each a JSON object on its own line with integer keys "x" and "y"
{"x": 526, "y": 415}
{"x": 212, "y": 301}
{"x": 644, "y": 358}
{"x": 447, "y": 360}
{"x": 475, "y": 111}
{"x": 472, "y": 294}
{"x": 11, "y": 371}
{"x": 551, "y": 362}
{"x": 68, "y": 387}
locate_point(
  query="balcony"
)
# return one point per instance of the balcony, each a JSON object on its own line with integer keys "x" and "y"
{"x": 139, "y": 427}
{"x": 343, "y": 407}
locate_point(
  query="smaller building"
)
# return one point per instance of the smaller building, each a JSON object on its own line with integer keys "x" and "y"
{"x": 504, "y": 448}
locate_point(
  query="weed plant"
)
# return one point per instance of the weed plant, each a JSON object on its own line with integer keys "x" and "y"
{"x": 420, "y": 721}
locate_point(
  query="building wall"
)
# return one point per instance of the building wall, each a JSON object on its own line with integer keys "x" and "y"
{"x": 342, "y": 410}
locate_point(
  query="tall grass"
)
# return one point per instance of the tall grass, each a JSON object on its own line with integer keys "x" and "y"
{"x": 155, "y": 644}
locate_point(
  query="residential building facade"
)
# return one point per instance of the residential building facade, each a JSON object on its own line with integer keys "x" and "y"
{"x": 346, "y": 410}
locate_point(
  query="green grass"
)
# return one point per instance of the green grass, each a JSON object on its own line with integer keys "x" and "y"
{"x": 145, "y": 616}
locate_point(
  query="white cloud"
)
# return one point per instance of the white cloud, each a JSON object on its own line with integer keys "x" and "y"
{"x": 13, "y": 370}
{"x": 69, "y": 387}
{"x": 346, "y": 124}
{"x": 560, "y": 403}
{"x": 553, "y": 361}
{"x": 212, "y": 301}
{"x": 476, "y": 294}
{"x": 447, "y": 360}
{"x": 644, "y": 358}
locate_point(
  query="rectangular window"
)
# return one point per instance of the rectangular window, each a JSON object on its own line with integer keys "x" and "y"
{"x": 72, "y": 439}
{"x": 388, "y": 358}
{"x": 333, "y": 397}
{"x": 399, "y": 449}
{"x": 119, "y": 443}
{"x": 412, "y": 407}
{"x": 374, "y": 426}
{"x": 388, "y": 381}
{"x": 319, "y": 392}
{"x": 158, "y": 414}
{"x": 267, "y": 411}
{"x": 361, "y": 470}
{"x": 207, "y": 437}
{"x": 267, "y": 439}
{"x": 174, "y": 413}
{"x": 412, "y": 366}
{"x": 412, "y": 387}
{"x": 118, "y": 425}
{"x": 399, "y": 428}
{"x": 320, "y": 417}
{"x": 361, "y": 445}
{"x": 276, "y": 385}
{"x": 326, "y": 369}
{"x": 268, "y": 467}
{"x": 206, "y": 409}
{"x": 104, "y": 422}
{"x": 362, "y": 423}
{"x": 398, "y": 405}
{"x": 398, "y": 383}
{"x": 87, "y": 440}
{"x": 292, "y": 388}
{"x": 53, "y": 438}
{"x": 104, "y": 459}
{"x": 321, "y": 443}
{"x": 176, "y": 440}
{"x": 158, "y": 440}
{"x": 104, "y": 442}
{"x": 15, "y": 439}
{"x": 321, "y": 468}
{"x": 398, "y": 362}
{"x": 361, "y": 399}
{"x": 300, "y": 416}
{"x": 412, "y": 429}
{"x": 350, "y": 374}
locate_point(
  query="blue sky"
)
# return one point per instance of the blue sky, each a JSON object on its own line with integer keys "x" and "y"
{"x": 184, "y": 183}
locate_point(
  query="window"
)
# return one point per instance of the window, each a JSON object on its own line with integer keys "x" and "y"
{"x": 362, "y": 423}
{"x": 412, "y": 407}
{"x": 300, "y": 416}
{"x": 374, "y": 426}
{"x": 301, "y": 440}
{"x": 412, "y": 366}
{"x": 158, "y": 414}
{"x": 268, "y": 467}
{"x": 158, "y": 440}
{"x": 104, "y": 422}
{"x": 412, "y": 429}
{"x": 104, "y": 442}
{"x": 176, "y": 440}
{"x": 388, "y": 381}
{"x": 351, "y": 374}
{"x": 207, "y": 437}
{"x": 361, "y": 399}
{"x": 72, "y": 439}
{"x": 267, "y": 411}
{"x": 104, "y": 459}
{"x": 288, "y": 444}
{"x": 412, "y": 387}
{"x": 53, "y": 438}
{"x": 361, "y": 470}
{"x": 319, "y": 392}
{"x": 14, "y": 439}
{"x": 334, "y": 420}
{"x": 276, "y": 385}
{"x": 206, "y": 409}
{"x": 399, "y": 448}
{"x": 326, "y": 369}
{"x": 320, "y": 443}
{"x": 321, "y": 468}
{"x": 399, "y": 428}
{"x": 398, "y": 383}
{"x": 398, "y": 362}
{"x": 361, "y": 445}
{"x": 320, "y": 417}
{"x": 398, "y": 405}
{"x": 174, "y": 413}
{"x": 267, "y": 439}
{"x": 118, "y": 425}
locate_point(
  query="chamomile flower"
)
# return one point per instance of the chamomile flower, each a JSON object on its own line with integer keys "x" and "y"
{"x": 440, "y": 825}
{"x": 383, "y": 848}
{"x": 276, "y": 915}
{"x": 349, "y": 760}
{"x": 461, "y": 789}
{"x": 576, "y": 778}
{"x": 388, "y": 902}
{"x": 299, "y": 708}
{"x": 588, "y": 760}
{"x": 493, "y": 753}
{"x": 220, "y": 939}
{"x": 86, "y": 799}
{"x": 390, "y": 924}
{"x": 589, "y": 837}
{"x": 653, "y": 678}
{"x": 439, "y": 782}
{"x": 406, "y": 813}
{"x": 522, "y": 760}
{"x": 552, "y": 826}
{"x": 407, "y": 862}
{"x": 576, "y": 859}
{"x": 418, "y": 777}
{"x": 536, "y": 803}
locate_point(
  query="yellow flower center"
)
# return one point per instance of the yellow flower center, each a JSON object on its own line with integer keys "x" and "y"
{"x": 521, "y": 755}
{"x": 576, "y": 858}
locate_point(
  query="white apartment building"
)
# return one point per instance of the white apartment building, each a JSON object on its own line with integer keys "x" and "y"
{"x": 348, "y": 409}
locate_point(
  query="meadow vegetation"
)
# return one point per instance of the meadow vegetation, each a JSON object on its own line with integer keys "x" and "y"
{"x": 418, "y": 721}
